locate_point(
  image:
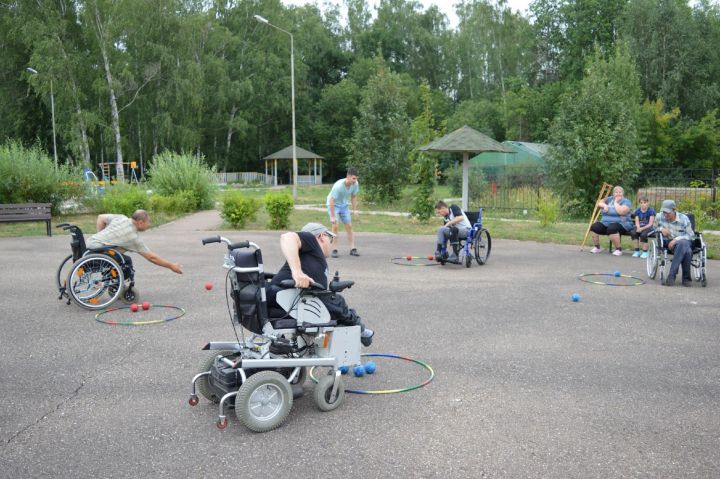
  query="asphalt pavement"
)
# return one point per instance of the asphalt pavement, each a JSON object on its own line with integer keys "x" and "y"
{"x": 528, "y": 384}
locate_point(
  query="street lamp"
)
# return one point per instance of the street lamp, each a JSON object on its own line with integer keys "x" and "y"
{"x": 292, "y": 98}
{"x": 52, "y": 111}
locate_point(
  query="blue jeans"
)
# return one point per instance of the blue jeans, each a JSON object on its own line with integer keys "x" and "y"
{"x": 444, "y": 233}
{"x": 682, "y": 254}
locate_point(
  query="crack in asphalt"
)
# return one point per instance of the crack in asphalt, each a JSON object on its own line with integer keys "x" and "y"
{"x": 69, "y": 398}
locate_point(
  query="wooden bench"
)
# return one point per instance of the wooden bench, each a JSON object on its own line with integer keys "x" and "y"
{"x": 22, "y": 212}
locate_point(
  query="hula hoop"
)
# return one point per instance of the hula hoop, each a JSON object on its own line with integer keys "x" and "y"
{"x": 98, "y": 317}
{"x": 638, "y": 281}
{"x": 387, "y": 391}
{"x": 423, "y": 261}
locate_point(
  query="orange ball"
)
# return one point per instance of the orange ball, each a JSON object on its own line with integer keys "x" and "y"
{"x": 409, "y": 258}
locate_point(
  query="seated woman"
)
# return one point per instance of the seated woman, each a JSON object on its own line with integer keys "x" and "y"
{"x": 614, "y": 222}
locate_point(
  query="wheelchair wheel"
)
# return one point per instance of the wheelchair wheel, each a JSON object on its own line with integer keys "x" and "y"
{"x": 698, "y": 266}
{"x": 264, "y": 401}
{"x": 62, "y": 274}
{"x": 323, "y": 391}
{"x": 95, "y": 281}
{"x": 202, "y": 384}
{"x": 130, "y": 295}
{"x": 482, "y": 244}
{"x": 651, "y": 263}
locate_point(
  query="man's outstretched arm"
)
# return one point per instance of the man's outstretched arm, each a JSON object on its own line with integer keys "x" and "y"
{"x": 160, "y": 261}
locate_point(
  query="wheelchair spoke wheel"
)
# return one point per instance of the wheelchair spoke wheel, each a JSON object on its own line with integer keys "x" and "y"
{"x": 482, "y": 244}
{"x": 651, "y": 262}
{"x": 698, "y": 265}
{"x": 323, "y": 393}
{"x": 264, "y": 401}
{"x": 95, "y": 282}
{"x": 202, "y": 384}
{"x": 62, "y": 274}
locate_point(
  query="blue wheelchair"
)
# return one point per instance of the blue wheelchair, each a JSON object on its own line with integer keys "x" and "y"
{"x": 476, "y": 246}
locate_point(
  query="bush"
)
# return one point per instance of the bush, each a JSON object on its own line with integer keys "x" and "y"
{"x": 171, "y": 172}
{"x": 124, "y": 199}
{"x": 238, "y": 209}
{"x": 548, "y": 208}
{"x": 180, "y": 202}
{"x": 476, "y": 181}
{"x": 279, "y": 206}
{"x": 28, "y": 175}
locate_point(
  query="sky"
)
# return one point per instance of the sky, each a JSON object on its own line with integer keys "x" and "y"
{"x": 445, "y": 6}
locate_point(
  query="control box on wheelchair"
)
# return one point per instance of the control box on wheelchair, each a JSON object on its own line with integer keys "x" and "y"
{"x": 261, "y": 373}
{"x": 476, "y": 246}
{"x": 94, "y": 278}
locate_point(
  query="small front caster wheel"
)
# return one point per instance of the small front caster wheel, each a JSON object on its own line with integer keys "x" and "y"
{"x": 222, "y": 423}
{"x": 193, "y": 401}
{"x": 323, "y": 393}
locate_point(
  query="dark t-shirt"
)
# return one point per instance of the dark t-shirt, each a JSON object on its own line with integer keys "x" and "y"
{"x": 312, "y": 261}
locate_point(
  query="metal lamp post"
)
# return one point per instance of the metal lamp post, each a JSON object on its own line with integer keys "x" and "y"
{"x": 52, "y": 111}
{"x": 292, "y": 98}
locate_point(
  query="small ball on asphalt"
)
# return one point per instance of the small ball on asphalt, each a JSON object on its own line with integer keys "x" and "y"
{"x": 409, "y": 258}
{"x": 359, "y": 371}
{"x": 146, "y": 305}
{"x": 208, "y": 285}
{"x": 575, "y": 297}
{"x": 617, "y": 273}
{"x": 370, "y": 367}
{"x": 344, "y": 369}
{"x": 431, "y": 257}
{"x": 134, "y": 308}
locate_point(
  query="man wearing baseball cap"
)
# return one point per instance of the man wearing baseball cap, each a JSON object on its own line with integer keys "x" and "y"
{"x": 677, "y": 232}
{"x": 305, "y": 262}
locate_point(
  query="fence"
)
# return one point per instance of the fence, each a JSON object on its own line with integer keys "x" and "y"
{"x": 243, "y": 177}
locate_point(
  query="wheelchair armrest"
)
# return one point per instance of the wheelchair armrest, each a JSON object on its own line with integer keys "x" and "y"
{"x": 652, "y": 233}
{"x": 290, "y": 283}
{"x": 338, "y": 286}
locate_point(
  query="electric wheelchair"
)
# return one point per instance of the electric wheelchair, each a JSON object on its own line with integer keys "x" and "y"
{"x": 658, "y": 254}
{"x": 477, "y": 245}
{"x": 261, "y": 374}
{"x": 94, "y": 278}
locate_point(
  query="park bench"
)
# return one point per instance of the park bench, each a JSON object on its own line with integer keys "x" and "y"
{"x": 22, "y": 212}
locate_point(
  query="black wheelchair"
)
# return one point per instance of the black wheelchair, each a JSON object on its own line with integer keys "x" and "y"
{"x": 658, "y": 254}
{"x": 94, "y": 278}
{"x": 476, "y": 246}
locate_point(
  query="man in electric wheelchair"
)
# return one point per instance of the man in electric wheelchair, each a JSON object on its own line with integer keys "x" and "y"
{"x": 123, "y": 233}
{"x": 305, "y": 253}
{"x": 676, "y": 229}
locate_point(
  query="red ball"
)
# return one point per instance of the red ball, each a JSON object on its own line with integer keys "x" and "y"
{"x": 431, "y": 257}
{"x": 409, "y": 258}
{"x": 146, "y": 305}
{"x": 208, "y": 285}
{"x": 134, "y": 308}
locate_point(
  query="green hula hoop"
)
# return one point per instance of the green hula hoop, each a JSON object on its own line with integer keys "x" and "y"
{"x": 387, "y": 391}
{"x": 99, "y": 317}
{"x": 584, "y": 277}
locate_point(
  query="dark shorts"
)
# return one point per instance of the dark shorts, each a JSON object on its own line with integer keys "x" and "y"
{"x": 643, "y": 236}
{"x": 611, "y": 229}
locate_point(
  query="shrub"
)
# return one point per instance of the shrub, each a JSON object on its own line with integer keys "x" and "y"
{"x": 171, "y": 172}
{"x": 279, "y": 206}
{"x": 238, "y": 209}
{"x": 28, "y": 175}
{"x": 180, "y": 202}
{"x": 124, "y": 199}
{"x": 548, "y": 208}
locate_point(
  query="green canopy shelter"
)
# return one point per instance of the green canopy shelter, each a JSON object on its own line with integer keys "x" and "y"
{"x": 530, "y": 155}
{"x": 466, "y": 140}
{"x": 286, "y": 153}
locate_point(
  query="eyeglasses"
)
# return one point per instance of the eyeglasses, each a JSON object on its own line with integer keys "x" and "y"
{"x": 329, "y": 236}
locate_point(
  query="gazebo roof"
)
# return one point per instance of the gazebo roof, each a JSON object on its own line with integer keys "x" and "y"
{"x": 468, "y": 140}
{"x": 287, "y": 154}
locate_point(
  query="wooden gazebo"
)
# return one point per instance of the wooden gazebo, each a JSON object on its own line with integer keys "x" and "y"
{"x": 312, "y": 178}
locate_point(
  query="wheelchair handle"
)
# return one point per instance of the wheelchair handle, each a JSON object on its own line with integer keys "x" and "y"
{"x": 290, "y": 283}
{"x": 212, "y": 239}
{"x": 63, "y": 225}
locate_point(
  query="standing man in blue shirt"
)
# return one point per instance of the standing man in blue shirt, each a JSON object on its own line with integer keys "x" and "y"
{"x": 344, "y": 193}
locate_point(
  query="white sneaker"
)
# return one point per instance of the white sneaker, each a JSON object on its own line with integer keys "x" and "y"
{"x": 617, "y": 252}
{"x": 595, "y": 250}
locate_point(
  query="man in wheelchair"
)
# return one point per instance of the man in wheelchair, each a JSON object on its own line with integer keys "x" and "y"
{"x": 123, "y": 233}
{"x": 305, "y": 253}
{"x": 676, "y": 230}
{"x": 455, "y": 227}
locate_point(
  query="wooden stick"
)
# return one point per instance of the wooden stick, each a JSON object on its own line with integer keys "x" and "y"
{"x": 604, "y": 192}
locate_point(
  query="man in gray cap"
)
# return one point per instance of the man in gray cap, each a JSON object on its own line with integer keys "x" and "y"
{"x": 677, "y": 232}
{"x": 305, "y": 262}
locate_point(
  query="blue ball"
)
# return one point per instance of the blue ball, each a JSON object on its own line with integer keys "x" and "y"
{"x": 370, "y": 367}
{"x": 344, "y": 369}
{"x": 359, "y": 371}
{"x": 575, "y": 297}
{"x": 617, "y": 273}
